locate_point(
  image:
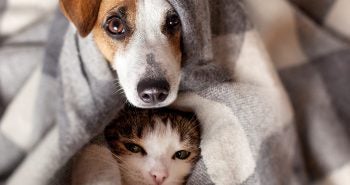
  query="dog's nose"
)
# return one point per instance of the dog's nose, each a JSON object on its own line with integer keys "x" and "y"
{"x": 153, "y": 90}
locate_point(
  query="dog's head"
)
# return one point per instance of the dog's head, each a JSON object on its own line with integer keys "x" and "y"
{"x": 140, "y": 39}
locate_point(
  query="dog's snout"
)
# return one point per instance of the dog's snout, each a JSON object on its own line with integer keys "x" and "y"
{"x": 153, "y": 95}
{"x": 153, "y": 91}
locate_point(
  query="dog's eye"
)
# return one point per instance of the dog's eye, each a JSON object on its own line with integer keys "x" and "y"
{"x": 116, "y": 27}
{"x": 173, "y": 20}
{"x": 172, "y": 24}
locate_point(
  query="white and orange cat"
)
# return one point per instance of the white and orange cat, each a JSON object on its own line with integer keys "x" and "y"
{"x": 149, "y": 147}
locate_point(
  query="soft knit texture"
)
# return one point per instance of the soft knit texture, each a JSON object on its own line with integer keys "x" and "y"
{"x": 57, "y": 92}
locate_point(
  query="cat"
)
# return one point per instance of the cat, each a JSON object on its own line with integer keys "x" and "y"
{"x": 154, "y": 147}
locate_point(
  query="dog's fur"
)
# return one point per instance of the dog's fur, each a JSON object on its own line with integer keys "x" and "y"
{"x": 148, "y": 53}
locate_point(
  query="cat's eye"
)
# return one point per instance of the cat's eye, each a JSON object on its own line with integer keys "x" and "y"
{"x": 134, "y": 148}
{"x": 182, "y": 154}
{"x": 116, "y": 27}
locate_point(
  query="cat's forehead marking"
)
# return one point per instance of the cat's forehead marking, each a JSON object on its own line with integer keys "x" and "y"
{"x": 162, "y": 139}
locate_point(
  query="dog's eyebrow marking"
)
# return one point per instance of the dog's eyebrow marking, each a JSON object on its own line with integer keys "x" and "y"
{"x": 118, "y": 11}
{"x": 153, "y": 69}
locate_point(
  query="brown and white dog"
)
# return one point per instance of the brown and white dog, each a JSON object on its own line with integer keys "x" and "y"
{"x": 141, "y": 41}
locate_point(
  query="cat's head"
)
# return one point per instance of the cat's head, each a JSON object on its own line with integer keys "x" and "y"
{"x": 155, "y": 147}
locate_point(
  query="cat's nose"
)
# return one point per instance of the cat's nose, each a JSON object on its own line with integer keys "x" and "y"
{"x": 159, "y": 176}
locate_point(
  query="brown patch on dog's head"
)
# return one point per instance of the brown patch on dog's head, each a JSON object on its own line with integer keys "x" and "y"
{"x": 173, "y": 32}
{"x": 175, "y": 41}
{"x": 90, "y": 16}
{"x": 108, "y": 8}
{"x": 82, "y": 13}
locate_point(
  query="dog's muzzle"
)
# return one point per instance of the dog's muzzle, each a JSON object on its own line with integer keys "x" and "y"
{"x": 153, "y": 91}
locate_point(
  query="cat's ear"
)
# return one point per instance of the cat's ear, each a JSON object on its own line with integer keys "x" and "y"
{"x": 82, "y": 13}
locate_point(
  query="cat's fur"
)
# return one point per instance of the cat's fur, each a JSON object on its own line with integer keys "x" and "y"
{"x": 161, "y": 134}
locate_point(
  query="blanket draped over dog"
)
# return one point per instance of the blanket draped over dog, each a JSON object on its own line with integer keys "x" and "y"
{"x": 57, "y": 92}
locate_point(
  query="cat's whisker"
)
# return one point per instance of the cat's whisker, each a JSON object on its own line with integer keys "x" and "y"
{"x": 176, "y": 181}
{"x": 129, "y": 173}
{"x": 193, "y": 128}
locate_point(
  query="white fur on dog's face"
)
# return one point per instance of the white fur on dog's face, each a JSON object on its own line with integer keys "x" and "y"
{"x": 131, "y": 64}
{"x": 147, "y": 52}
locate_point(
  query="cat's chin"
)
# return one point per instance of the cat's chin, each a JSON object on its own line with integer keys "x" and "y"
{"x": 131, "y": 182}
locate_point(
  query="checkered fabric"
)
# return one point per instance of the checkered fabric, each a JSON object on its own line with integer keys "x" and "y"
{"x": 268, "y": 80}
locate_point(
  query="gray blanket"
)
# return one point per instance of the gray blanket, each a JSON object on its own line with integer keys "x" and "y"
{"x": 256, "y": 130}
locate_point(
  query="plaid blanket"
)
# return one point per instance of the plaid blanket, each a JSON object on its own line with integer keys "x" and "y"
{"x": 268, "y": 82}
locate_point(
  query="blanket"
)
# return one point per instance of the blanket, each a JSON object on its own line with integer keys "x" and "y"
{"x": 268, "y": 82}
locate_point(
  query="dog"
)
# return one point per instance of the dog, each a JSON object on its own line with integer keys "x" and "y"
{"x": 141, "y": 40}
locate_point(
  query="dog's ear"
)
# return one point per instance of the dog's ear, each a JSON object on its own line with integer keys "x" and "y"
{"x": 82, "y": 13}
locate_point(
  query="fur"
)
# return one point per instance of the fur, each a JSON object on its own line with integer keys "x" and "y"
{"x": 161, "y": 133}
{"x": 147, "y": 33}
